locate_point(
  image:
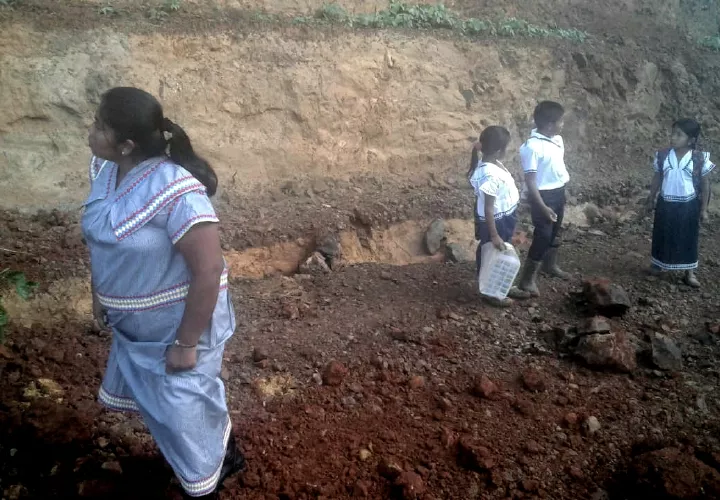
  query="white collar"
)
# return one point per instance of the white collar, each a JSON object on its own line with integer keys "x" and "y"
{"x": 686, "y": 155}
{"x": 555, "y": 140}
{"x": 497, "y": 163}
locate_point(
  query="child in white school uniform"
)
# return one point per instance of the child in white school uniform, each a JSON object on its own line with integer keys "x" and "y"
{"x": 542, "y": 158}
{"x": 681, "y": 178}
{"x": 496, "y": 193}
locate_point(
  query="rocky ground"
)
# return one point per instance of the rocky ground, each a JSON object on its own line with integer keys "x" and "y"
{"x": 375, "y": 381}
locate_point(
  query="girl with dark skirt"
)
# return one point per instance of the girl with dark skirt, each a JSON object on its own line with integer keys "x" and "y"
{"x": 681, "y": 178}
{"x": 496, "y": 193}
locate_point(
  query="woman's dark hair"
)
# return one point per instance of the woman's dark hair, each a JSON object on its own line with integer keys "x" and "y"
{"x": 492, "y": 140}
{"x": 691, "y": 128}
{"x": 135, "y": 115}
{"x": 548, "y": 112}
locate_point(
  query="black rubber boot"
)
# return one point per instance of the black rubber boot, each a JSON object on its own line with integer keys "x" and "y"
{"x": 234, "y": 462}
{"x": 528, "y": 277}
{"x": 550, "y": 265}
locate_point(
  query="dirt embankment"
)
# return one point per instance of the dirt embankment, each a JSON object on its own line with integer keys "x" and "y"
{"x": 286, "y": 111}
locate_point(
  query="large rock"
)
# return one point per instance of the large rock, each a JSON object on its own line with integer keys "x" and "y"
{"x": 611, "y": 350}
{"x": 606, "y": 298}
{"x": 315, "y": 264}
{"x": 455, "y": 253}
{"x": 435, "y": 236}
{"x": 330, "y": 248}
{"x": 390, "y": 468}
{"x": 534, "y": 380}
{"x": 410, "y": 485}
{"x": 666, "y": 355}
{"x": 592, "y": 213}
{"x": 596, "y": 324}
{"x": 484, "y": 388}
{"x": 334, "y": 373}
{"x": 473, "y": 456}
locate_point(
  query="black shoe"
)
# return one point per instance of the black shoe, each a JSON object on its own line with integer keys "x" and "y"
{"x": 234, "y": 461}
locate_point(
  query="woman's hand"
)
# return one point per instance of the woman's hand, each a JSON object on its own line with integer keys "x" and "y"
{"x": 99, "y": 313}
{"x": 703, "y": 216}
{"x": 498, "y": 242}
{"x": 180, "y": 359}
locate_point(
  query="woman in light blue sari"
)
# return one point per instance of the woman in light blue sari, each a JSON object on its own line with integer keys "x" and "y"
{"x": 159, "y": 282}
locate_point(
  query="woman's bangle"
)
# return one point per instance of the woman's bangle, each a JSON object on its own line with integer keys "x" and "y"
{"x": 177, "y": 343}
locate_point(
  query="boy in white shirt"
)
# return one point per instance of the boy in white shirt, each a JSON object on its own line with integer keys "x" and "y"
{"x": 542, "y": 158}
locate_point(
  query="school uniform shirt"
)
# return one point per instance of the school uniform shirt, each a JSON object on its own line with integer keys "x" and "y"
{"x": 494, "y": 180}
{"x": 546, "y": 157}
{"x": 677, "y": 183}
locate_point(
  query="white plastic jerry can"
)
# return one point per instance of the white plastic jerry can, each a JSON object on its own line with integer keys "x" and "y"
{"x": 498, "y": 270}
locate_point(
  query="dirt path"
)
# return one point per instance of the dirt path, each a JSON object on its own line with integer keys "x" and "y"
{"x": 414, "y": 341}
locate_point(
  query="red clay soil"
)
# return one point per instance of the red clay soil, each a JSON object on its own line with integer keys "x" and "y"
{"x": 390, "y": 382}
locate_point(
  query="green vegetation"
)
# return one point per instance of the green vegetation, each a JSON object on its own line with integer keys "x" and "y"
{"x": 403, "y": 15}
{"x": 171, "y": 5}
{"x": 23, "y": 287}
{"x": 159, "y": 13}
{"x": 398, "y": 14}
{"x": 711, "y": 42}
{"x": 263, "y": 17}
{"x": 168, "y": 7}
{"x": 108, "y": 10}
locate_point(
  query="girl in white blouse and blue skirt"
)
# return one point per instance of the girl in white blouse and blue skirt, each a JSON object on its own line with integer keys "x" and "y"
{"x": 497, "y": 195}
{"x": 681, "y": 178}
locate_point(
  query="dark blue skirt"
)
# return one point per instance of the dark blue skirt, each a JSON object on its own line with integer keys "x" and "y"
{"x": 505, "y": 226}
{"x": 675, "y": 235}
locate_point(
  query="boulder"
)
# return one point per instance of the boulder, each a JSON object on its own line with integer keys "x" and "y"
{"x": 607, "y": 351}
{"x": 455, "y": 253}
{"x": 596, "y": 324}
{"x": 410, "y": 485}
{"x": 533, "y": 380}
{"x": 593, "y": 213}
{"x": 473, "y": 456}
{"x": 330, "y": 248}
{"x": 435, "y": 236}
{"x": 334, "y": 373}
{"x": 562, "y": 338}
{"x": 666, "y": 355}
{"x": 484, "y": 388}
{"x": 315, "y": 264}
{"x": 390, "y": 468}
{"x": 606, "y": 298}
